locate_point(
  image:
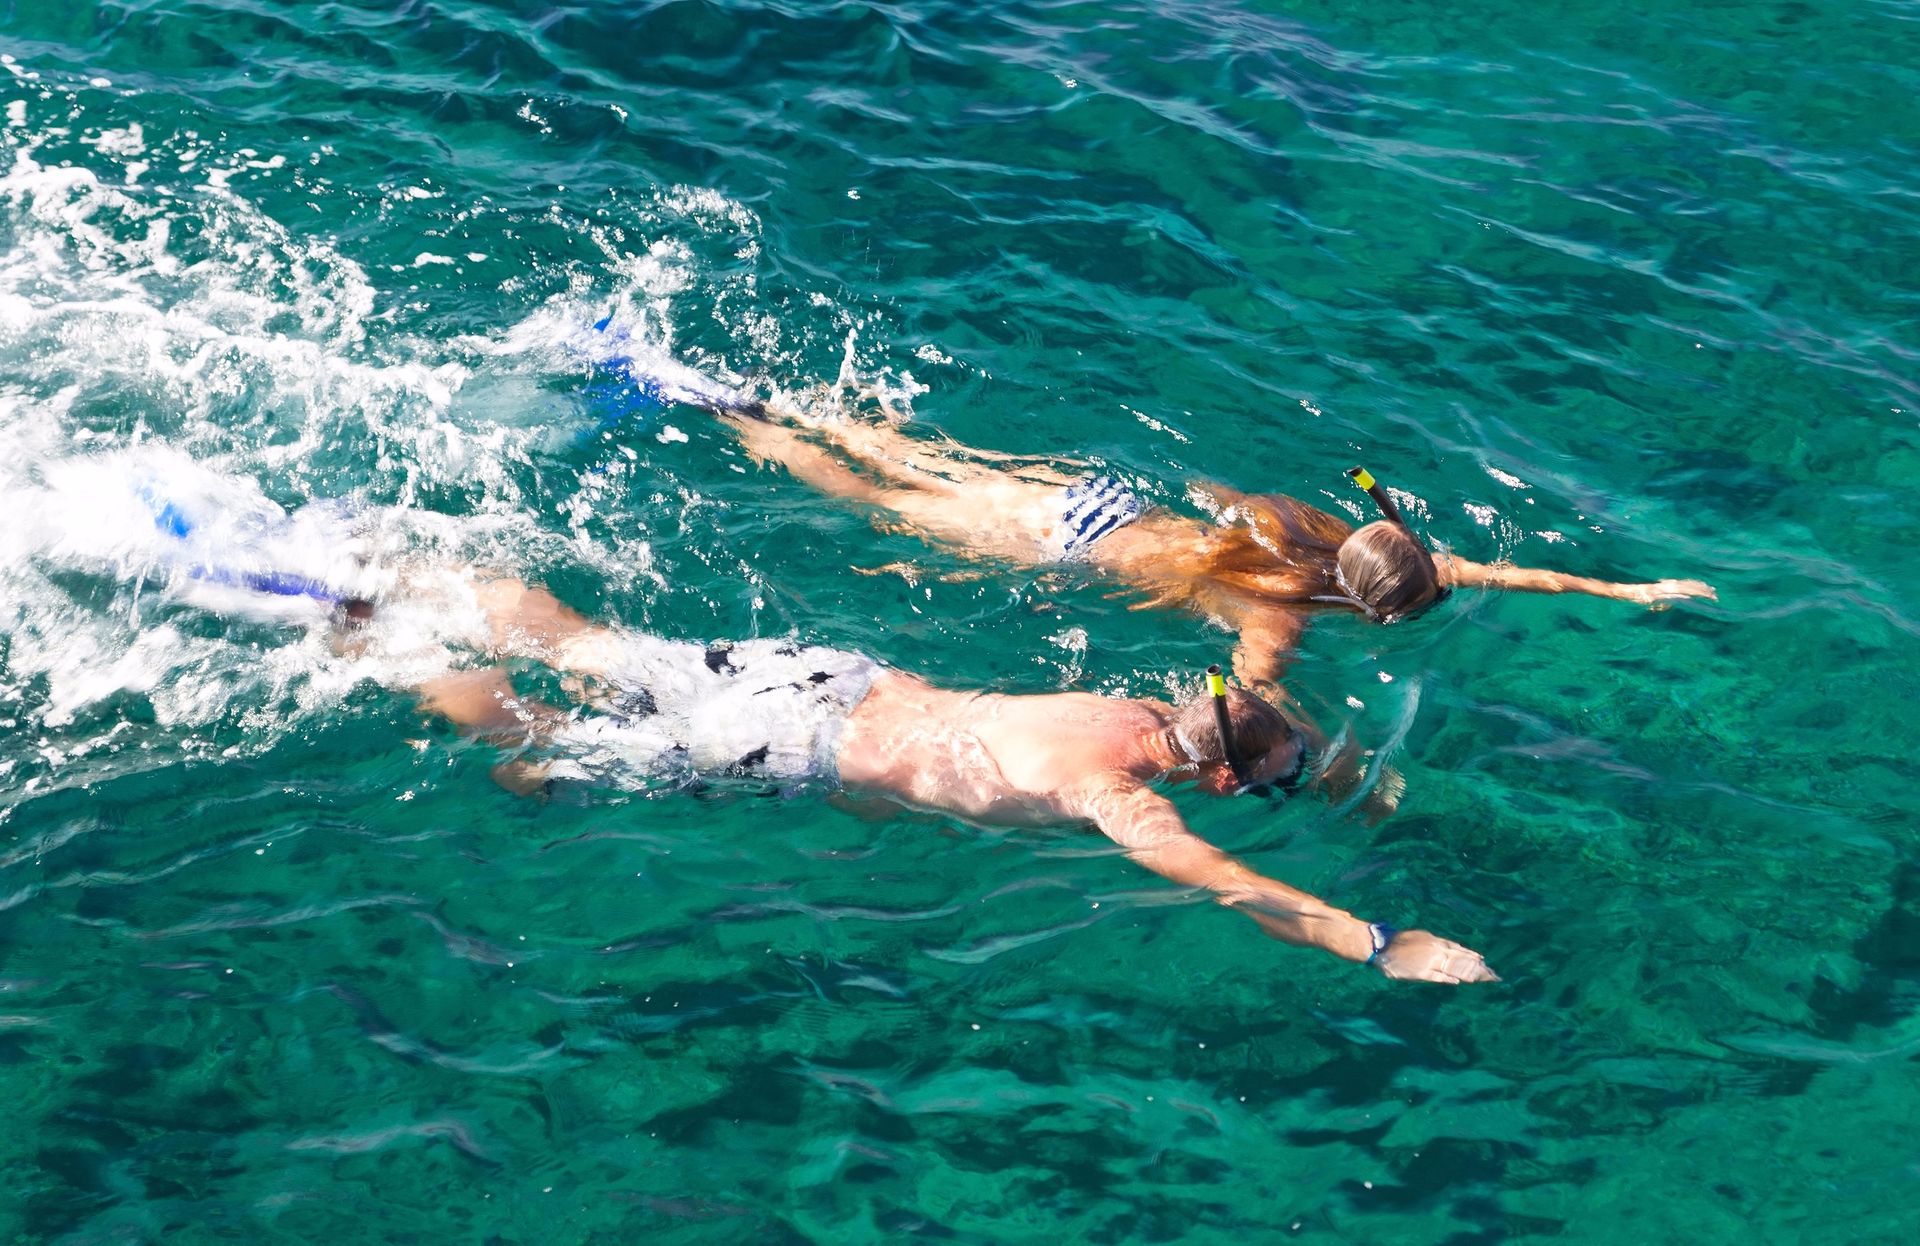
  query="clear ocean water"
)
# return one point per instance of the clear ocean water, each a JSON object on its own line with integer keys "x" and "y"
{"x": 1627, "y": 290}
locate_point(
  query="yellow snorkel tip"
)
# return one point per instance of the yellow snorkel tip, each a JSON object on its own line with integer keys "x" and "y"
{"x": 1216, "y": 682}
{"x": 1364, "y": 478}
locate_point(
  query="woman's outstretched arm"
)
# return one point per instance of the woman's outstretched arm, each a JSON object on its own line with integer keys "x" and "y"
{"x": 1461, "y": 573}
{"x": 1265, "y": 648}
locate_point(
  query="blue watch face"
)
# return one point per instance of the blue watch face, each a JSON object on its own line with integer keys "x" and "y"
{"x": 1382, "y": 935}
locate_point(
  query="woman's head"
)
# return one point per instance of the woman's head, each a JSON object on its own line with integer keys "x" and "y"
{"x": 1386, "y": 569}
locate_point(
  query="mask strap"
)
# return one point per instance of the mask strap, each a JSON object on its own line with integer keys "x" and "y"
{"x": 1347, "y": 597}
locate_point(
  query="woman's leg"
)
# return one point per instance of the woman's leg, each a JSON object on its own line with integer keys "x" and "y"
{"x": 978, "y": 508}
{"x": 787, "y": 446}
{"x": 915, "y": 462}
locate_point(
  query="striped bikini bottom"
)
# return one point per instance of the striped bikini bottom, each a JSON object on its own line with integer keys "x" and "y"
{"x": 1089, "y": 510}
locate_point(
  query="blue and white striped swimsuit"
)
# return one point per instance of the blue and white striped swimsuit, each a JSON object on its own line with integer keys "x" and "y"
{"x": 1090, "y": 509}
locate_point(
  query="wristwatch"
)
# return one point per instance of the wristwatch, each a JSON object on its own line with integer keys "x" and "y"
{"x": 1382, "y": 935}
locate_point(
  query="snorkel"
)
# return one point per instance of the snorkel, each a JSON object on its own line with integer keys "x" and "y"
{"x": 1381, "y": 498}
{"x": 1217, "y": 690}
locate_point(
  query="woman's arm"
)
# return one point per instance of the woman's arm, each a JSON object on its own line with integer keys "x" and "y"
{"x": 1660, "y": 593}
{"x": 1265, "y": 648}
{"x": 1153, "y": 833}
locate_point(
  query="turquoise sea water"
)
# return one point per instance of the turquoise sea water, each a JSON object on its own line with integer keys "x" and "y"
{"x": 1624, "y": 290}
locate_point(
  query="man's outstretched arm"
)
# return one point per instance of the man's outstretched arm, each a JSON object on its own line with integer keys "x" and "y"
{"x": 1153, "y": 833}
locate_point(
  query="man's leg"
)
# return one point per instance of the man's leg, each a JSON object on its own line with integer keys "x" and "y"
{"x": 528, "y": 622}
{"x": 525, "y": 621}
{"x": 483, "y": 704}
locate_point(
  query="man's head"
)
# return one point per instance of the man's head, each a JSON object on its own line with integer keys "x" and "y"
{"x": 1269, "y": 747}
{"x": 1384, "y": 568}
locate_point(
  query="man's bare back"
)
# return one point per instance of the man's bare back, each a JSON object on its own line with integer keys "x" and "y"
{"x": 1001, "y": 760}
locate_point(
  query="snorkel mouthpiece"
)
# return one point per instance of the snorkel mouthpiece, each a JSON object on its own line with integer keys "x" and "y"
{"x": 1217, "y": 689}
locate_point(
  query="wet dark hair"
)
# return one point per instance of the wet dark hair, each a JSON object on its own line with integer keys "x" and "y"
{"x": 1386, "y": 569}
{"x": 1258, "y": 729}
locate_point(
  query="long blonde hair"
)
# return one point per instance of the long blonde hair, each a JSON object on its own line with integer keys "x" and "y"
{"x": 1278, "y": 550}
{"x": 1269, "y": 546}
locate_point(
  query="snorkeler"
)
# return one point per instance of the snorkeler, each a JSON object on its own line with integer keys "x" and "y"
{"x": 784, "y": 714}
{"x": 1268, "y": 563}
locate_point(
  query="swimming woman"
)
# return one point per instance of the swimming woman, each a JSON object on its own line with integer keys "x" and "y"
{"x": 1267, "y": 564}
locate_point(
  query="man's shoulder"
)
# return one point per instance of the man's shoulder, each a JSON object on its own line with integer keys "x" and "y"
{"x": 1116, "y": 706}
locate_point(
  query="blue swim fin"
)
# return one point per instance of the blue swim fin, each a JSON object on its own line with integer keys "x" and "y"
{"x": 241, "y": 557}
{"x": 635, "y": 380}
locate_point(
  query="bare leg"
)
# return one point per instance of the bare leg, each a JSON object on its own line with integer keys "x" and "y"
{"x": 483, "y": 704}
{"x": 951, "y": 461}
{"x": 524, "y": 621}
{"x": 916, "y": 463}
{"x": 907, "y": 461}
{"x": 528, "y": 622}
{"x": 787, "y": 446}
{"x": 979, "y": 509}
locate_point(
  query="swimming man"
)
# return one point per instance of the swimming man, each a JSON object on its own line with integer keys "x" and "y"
{"x": 786, "y": 714}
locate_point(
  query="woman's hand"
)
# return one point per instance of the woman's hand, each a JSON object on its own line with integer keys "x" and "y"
{"x": 1663, "y": 593}
{"x": 1419, "y": 956}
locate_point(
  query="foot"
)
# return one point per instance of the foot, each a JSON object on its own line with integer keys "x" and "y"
{"x": 348, "y": 634}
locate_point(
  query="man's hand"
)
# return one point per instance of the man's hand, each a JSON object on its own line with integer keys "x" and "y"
{"x": 1662, "y": 593}
{"x": 1418, "y": 956}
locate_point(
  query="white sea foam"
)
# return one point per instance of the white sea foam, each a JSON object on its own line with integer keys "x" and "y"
{"x": 165, "y": 340}
{"x": 181, "y": 348}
